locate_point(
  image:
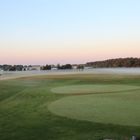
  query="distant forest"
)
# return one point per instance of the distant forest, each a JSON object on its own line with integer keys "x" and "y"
{"x": 119, "y": 62}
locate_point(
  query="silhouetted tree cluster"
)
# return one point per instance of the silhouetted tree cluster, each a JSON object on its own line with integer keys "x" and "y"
{"x": 119, "y": 62}
{"x": 80, "y": 67}
{"x": 11, "y": 67}
{"x": 47, "y": 67}
{"x": 67, "y": 66}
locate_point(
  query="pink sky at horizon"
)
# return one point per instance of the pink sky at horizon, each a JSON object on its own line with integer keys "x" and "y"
{"x": 62, "y": 52}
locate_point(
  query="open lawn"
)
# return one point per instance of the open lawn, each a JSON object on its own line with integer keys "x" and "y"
{"x": 95, "y": 88}
{"x": 57, "y": 107}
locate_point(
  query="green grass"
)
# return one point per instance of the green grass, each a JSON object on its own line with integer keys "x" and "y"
{"x": 121, "y": 109}
{"x": 24, "y": 113}
{"x": 86, "y": 89}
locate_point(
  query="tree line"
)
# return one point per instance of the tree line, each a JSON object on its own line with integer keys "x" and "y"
{"x": 49, "y": 67}
{"x": 6, "y": 67}
{"x": 61, "y": 67}
{"x": 119, "y": 62}
{"x": 11, "y": 67}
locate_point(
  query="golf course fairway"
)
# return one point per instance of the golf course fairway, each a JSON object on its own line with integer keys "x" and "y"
{"x": 86, "y": 89}
{"x": 70, "y": 107}
{"x": 121, "y": 109}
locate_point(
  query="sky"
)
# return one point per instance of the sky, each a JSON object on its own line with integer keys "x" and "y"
{"x": 68, "y": 31}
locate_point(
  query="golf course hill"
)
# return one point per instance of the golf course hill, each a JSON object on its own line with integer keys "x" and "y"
{"x": 118, "y": 62}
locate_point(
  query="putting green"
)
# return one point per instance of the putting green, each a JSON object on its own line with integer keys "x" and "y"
{"x": 86, "y": 89}
{"x": 121, "y": 108}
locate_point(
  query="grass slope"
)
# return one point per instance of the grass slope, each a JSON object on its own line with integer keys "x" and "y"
{"x": 24, "y": 113}
{"x": 86, "y": 89}
{"x": 122, "y": 108}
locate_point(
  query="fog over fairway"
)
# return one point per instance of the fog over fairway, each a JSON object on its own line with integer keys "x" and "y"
{"x": 17, "y": 74}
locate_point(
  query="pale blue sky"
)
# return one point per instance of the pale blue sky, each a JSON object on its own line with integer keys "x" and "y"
{"x": 45, "y": 21}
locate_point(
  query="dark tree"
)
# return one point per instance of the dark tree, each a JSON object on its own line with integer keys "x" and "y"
{"x": 67, "y": 66}
{"x": 47, "y": 67}
{"x": 80, "y": 67}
